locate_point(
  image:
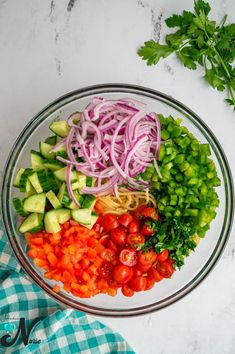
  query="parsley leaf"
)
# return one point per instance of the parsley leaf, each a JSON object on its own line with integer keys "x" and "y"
{"x": 174, "y": 234}
{"x": 199, "y": 40}
{"x": 153, "y": 52}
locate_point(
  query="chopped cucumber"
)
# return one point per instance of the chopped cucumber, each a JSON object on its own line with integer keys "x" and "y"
{"x": 75, "y": 185}
{"x": 60, "y": 195}
{"x": 53, "y": 165}
{"x": 36, "y": 160}
{"x": 33, "y": 178}
{"x": 45, "y": 150}
{"x": 35, "y": 203}
{"x": 33, "y": 223}
{"x": 90, "y": 181}
{"x": 61, "y": 175}
{"x": 89, "y": 201}
{"x": 51, "y": 140}
{"x": 30, "y": 192}
{"x": 17, "y": 202}
{"x": 16, "y": 182}
{"x": 53, "y": 200}
{"x": 94, "y": 218}
{"x": 51, "y": 222}
{"x": 81, "y": 180}
{"x": 62, "y": 215}
{"x": 82, "y": 216}
{"x": 24, "y": 183}
{"x": 60, "y": 128}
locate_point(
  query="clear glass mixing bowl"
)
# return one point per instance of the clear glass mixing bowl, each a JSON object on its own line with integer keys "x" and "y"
{"x": 197, "y": 265}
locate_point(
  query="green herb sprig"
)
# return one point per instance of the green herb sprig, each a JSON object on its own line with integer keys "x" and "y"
{"x": 199, "y": 41}
{"x": 174, "y": 234}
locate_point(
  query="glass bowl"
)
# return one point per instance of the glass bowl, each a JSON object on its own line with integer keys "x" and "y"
{"x": 197, "y": 265}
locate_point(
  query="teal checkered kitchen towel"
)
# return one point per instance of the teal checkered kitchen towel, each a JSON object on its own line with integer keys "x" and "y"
{"x": 54, "y": 330}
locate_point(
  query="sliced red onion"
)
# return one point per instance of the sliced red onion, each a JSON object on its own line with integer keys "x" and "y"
{"x": 68, "y": 183}
{"x": 116, "y": 140}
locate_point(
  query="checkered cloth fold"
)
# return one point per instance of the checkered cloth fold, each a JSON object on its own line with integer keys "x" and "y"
{"x": 59, "y": 330}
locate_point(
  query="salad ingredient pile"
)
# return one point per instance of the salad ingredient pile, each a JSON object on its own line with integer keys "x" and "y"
{"x": 116, "y": 198}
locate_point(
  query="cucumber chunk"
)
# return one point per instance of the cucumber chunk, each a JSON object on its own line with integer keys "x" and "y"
{"x": 45, "y": 150}
{"x": 61, "y": 175}
{"x": 17, "y": 202}
{"x": 16, "y": 182}
{"x": 51, "y": 222}
{"x": 62, "y": 215}
{"x": 33, "y": 223}
{"x": 88, "y": 201}
{"x": 51, "y": 140}
{"x": 24, "y": 183}
{"x": 35, "y": 203}
{"x": 94, "y": 218}
{"x": 53, "y": 165}
{"x": 33, "y": 178}
{"x": 60, "y": 128}
{"x": 81, "y": 180}
{"x": 83, "y": 216}
{"x": 53, "y": 200}
{"x": 36, "y": 160}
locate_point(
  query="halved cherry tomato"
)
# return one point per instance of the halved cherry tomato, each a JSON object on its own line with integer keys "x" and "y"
{"x": 104, "y": 240}
{"x": 147, "y": 230}
{"x": 165, "y": 269}
{"x": 149, "y": 283}
{"x": 125, "y": 219}
{"x": 108, "y": 255}
{"x": 118, "y": 235}
{"x": 122, "y": 273}
{"x": 112, "y": 246}
{"x": 135, "y": 239}
{"x": 105, "y": 270}
{"x": 138, "y": 211}
{"x": 128, "y": 257}
{"x": 146, "y": 258}
{"x": 155, "y": 274}
{"x": 162, "y": 257}
{"x": 127, "y": 291}
{"x": 149, "y": 213}
{"x": 109, "y": 222}
{"x": 134, "y": 226}
{"x": 138, "y": 283}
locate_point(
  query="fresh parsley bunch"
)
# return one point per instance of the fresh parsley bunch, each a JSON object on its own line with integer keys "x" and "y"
{"x": 199, "y": 40}
{"x": 174, "y": 234}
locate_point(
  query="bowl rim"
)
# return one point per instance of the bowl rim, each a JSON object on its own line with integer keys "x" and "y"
{"x": 229, "y": 189}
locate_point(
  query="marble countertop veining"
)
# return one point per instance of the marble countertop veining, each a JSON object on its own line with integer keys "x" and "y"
{"x": 51, "y": 47}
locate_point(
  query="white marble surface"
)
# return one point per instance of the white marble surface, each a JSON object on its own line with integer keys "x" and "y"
{"x": 48, "y": 48}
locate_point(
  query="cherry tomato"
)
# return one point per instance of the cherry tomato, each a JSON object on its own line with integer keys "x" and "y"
{"x": 144, "y": 268}
{"x": 136, "y": 272}
{"x": 155, "y": 274}
{"x": 135, "y": 239}
{"x": 112, "y": 246}
{"x": 122, "y": 273}
{"x": 104, "y": 240}
{"x": 134, "y": 226}
{"x": 138, "y": 283}
{"x": 149, "y": 213}
{"x": 118, "y": 235}
{"x": 109, "y": 222}
{"x": 138, "y": 211}
{"x": 125, "y": 219}
{"x": 162, "y": 257}
{"x": 149, "y": 283}
{"x": 105, "y": 270}
{"x": 128, "y": 257}
{"x": 147, "y": 230}
{"x": 165, "y": 269}
{"x": 127, "y": 291}
{"x": 108, "y": 255}
{"x": 146, "y": 258}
